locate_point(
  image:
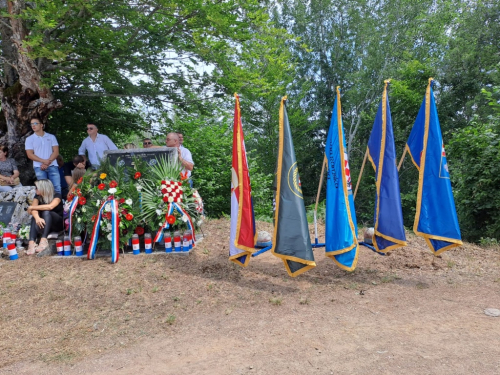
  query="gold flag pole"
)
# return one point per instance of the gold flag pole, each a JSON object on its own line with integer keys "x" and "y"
{"x": 402, "y": 158}
{"x": 360, "y": 173}
{"x": 317, "y": 198}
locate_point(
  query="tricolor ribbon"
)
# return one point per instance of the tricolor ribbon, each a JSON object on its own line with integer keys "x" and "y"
{"x": 159, "y": 234}
{"x": 72, "y": 209}
{"x": 189, "y": 222}
{"x": 115, "y": 232}
{"x": 166, "y": 225}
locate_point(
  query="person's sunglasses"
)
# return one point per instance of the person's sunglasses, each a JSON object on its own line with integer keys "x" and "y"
{"x": 146, "y": 143}
{"x": 35, "y": 123}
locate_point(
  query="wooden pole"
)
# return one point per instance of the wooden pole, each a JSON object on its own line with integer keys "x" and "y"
{"x": 320, "y": 183}
{"x": 317, "y": 199}
{"x": 402, "y": 158}
{"x": 361, "y": 173}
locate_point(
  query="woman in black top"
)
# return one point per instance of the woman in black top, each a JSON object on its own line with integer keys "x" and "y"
{"x": 47, "y": 210}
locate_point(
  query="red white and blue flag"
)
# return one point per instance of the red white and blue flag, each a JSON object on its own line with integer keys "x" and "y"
{"x": 243, "y": 236}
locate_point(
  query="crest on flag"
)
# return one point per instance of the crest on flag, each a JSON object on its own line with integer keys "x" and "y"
{"x": 443, "y": 168}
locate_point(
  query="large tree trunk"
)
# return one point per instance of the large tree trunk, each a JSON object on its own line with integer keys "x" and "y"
{"x": 20, "y": 89}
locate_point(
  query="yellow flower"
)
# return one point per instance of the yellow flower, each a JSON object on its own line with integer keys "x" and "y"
{"x": 103, "y": 176}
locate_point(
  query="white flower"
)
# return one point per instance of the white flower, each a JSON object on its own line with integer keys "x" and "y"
{"x": 109, "y": 236}
{"x": 109, "y": 227}
{"x": 107, "y": 207}
{"x": 184, "y": 218}
{"x": 112, "y": 190}
{"x": 101, "y": 223}
{"x": 129, "y": 202}
{"x": 158, "y": 212}
{"x": 84, "y": 209}
{"x": 200, "y": 222}
{"x": 169, "y": 189}
{"x": 170, "y": 199}
{"x": 163, "y": 186}
{"x": 138, "y": 187}
{"x": 98, "y": 203}
{"x": 79, "y": 220}
{"x": 180, "y": 195}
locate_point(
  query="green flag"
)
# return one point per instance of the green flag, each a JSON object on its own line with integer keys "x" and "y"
{"x": 291, "y": 232}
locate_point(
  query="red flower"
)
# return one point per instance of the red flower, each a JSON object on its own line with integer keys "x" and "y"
{"x": 80, "y": 180}
{"x": 139, "y": 230}
{"x": 137, "y": 175}
{"x": 82, "y": 200}
{"x": 122, "y": 200}
{"x": 107, "y": 215}
{"x": 101, "y": 186}
{"x": 113, "y": 184}
{"x": 124, "y": 212}
{"x": 129, "y": 217}
{"x": 70, "y": 197}
{"x": 164, "y": 191}
{"x": 179, "y": 183}
{"x": 78, "y": 192}
{"x": 171, "y": 219}
{"x": 93, "y": 218}
{"x": 163, "y": 182}
{"x": 110, "y": 197}
{"x": 165, "y": 199}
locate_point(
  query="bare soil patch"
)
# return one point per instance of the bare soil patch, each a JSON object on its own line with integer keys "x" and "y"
{"x": 409, "y": 312}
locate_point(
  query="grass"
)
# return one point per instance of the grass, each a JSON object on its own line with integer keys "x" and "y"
{"x": 276, "y": 301}
{"x": 170, "y": 319}
{"x": 389, "y": 278}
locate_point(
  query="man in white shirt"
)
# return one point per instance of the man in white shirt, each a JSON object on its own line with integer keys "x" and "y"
{"x": 181, "y": 139}
{"x": 184, "y": 155}
{"x": 95, "y": 144}
{"x": 43, "y": 149}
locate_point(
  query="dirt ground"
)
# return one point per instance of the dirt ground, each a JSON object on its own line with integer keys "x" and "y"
{"x": 406, "y": 313}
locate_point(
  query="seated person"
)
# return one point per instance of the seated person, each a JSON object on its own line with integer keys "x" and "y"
{"x": 47, "y": 211}
{"x": 64, "y": 183}
{"x": 77, "y": 174}
{"x": 70, "y": 166}
{"x": 9, "y": 174}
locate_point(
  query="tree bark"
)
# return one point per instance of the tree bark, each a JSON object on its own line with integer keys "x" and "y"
{"x": 21, "y": 90}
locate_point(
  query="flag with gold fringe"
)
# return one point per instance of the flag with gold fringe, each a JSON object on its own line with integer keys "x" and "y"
{"x": 292, "y": 242}
{"x": 436, "y": 217}
{"x": 243, "y": 236}
{"x": 341, "y": 242}
{"x": 389, "y": 231}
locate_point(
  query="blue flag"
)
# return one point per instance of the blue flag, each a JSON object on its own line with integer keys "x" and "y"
{"x": 436, "y": 216}
{"x": 389, "y": 231}
{"x": 341, "y": 242}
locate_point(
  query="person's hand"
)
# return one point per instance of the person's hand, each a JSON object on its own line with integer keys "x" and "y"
{"x": 30, "y": 210}
{"x": 43, "y": 166}
{"x": 80, "y": 165}
{"x": 40, "y": 222}
{"x": 11, "y": 180}
{"x": 179, "y": 153}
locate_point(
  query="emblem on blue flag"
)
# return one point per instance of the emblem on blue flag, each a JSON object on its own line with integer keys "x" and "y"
{"x": 443, "y": 169}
